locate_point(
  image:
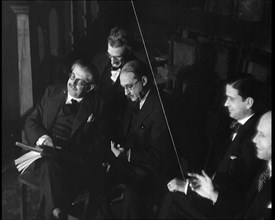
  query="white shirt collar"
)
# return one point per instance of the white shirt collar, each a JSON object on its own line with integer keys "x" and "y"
{"x": 69, "y": 99}
{"x": 143, "y": 100}
{"x": 115, "y": 74}
{"x": 242, "y": 121}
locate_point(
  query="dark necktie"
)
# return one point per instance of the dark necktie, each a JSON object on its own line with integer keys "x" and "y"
{"x": 262, "y": 179}
{"x": 235, "y": 125}
{"x": 74, "y": 102}
{"x": 70, "y": 108}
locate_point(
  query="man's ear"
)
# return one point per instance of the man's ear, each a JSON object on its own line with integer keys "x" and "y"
{"x": 249, "y": 102}
{"x": 144, "y": 80}
{"x": 90, "y": 88}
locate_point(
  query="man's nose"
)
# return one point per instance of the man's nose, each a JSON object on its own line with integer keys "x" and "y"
{"x": 226, "y": 103}
{"x": 126, "y": 92}
{"x": 74, "y": 82}
{"x": 112, "y": 61}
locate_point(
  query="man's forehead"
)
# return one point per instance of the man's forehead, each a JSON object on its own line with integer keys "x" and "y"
{"x": 232, "y": 91}
{"x": 129, "y": 76}
{"x": 116, "y": 51}
{"x": 265, "y": 123}
{"x": 82, "y": 72}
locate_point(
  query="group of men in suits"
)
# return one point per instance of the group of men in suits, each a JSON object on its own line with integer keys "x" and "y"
{"x": 103, "y": 149}
{"x": 114, "y": 141}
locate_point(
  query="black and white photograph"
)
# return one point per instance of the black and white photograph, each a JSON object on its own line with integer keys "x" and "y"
{"x": 136, "y": 109}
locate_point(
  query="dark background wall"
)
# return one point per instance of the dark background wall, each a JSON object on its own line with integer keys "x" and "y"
{"x": 10, "y": 88}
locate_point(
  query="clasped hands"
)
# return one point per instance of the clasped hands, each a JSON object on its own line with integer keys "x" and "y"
{"x": 201, "y": 184}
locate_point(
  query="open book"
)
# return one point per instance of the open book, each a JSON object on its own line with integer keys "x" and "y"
{"x": 23, "y": 162}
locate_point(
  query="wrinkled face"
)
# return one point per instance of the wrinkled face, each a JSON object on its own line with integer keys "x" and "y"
{"x": 79, "y": 82}
{"x": 263, "y": 139}
{"x": 237, "y": 107}
{"x": 116, "y": 55}
{"x": 133, "y": 88}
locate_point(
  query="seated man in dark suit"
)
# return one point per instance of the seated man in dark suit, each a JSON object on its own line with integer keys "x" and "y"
{"x": 223, "y": 194}
{"x": 259, "y": 204}
{"x": 139, "y": 162}
{"x": 69, "y": 117}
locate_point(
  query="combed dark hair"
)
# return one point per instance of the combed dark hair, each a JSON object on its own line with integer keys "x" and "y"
{"x": 89, "y": 66}
{"x": 248, "y": 86}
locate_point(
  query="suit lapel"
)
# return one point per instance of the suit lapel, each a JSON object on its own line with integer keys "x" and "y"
{"x": 85, "y": 109}
{"x": 234, "y": 146}
{"x": 244, "y": 131}
{"x": 145, "y": 110}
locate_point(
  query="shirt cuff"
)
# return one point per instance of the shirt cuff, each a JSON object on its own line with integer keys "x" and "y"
{"x": 129, "y": 155}
{"x": 42, "y": 139}
{"x": 214, "y": 197}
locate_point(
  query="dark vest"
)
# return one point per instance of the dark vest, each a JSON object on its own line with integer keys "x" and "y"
{"x": 63, "y": 125}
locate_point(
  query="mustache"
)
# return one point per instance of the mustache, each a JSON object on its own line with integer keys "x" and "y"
{"x": 72, "y": 86}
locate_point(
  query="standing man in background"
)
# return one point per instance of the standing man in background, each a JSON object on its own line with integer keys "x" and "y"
{"x": 109, "y": 65}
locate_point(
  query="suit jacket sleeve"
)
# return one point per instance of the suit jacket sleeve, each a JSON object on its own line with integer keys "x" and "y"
{"x": 34, "y": 127}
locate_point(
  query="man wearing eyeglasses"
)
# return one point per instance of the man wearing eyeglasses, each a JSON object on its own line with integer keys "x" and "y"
{"x": 67, "y": 117}
{"x": 138, "y": 162}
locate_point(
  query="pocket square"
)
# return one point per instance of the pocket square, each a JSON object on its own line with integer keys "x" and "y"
{"x": 232, "y": 157}
{"x": 91, "y": 118}
{"x": 269, "y": 206}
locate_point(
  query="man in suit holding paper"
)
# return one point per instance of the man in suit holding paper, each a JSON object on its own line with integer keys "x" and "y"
{"x": 223, "y": 195}
{"x": 68, "y": 117}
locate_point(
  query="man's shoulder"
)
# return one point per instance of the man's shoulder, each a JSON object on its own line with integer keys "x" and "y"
{"x": 252, "y": 121}
{"x": 55, "y": 89}
{"x": 153, "y": 100}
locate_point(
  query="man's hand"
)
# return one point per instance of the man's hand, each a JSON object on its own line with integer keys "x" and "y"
{"x": 116, "y": 149}
{"x": 48, "y": 141}
{"x": 203, "y": 185}
{"x": 178, "y": 185}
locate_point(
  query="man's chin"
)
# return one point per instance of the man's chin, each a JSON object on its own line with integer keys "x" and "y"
{"x": 131, "y": 98}
{"x": 73, "y": 94}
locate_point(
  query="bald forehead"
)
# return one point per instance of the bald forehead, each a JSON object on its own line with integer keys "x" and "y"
{"x": 128, "y": 74}
{"x": 265, "y": 122}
